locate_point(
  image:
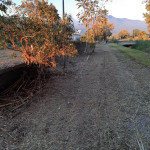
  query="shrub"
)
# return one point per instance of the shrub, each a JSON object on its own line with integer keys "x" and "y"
{"x": 142, "y": 45}
{"x": 39, "y": 33}
{"x": 113, "y": 41}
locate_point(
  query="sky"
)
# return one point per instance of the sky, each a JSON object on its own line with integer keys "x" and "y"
{"x": 131, "y": 9}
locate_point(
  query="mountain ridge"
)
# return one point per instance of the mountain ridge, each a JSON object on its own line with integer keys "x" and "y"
{"x": 125, "y": 23}
{"x": 119, "y": 24}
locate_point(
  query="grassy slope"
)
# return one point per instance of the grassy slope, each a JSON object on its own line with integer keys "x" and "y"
{"x": 143, "y": 45}
{"x": 137, "y": 55}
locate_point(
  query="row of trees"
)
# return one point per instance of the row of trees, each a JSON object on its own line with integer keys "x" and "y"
{"x": 142, "y": 35}
{"x": 97, "y": 25}
{"x": 136, "y": 35}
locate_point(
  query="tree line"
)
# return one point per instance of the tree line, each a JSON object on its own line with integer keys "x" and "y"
{"x": 136, "y": 35}
{"x": 41, "y": 35}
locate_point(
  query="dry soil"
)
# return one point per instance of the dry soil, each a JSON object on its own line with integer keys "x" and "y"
{"x": 102, "y": 102}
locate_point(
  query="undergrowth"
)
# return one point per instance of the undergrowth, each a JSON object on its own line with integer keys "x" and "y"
{"x": 142, "y": 45}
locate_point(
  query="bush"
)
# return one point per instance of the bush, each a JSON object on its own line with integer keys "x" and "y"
{"x": 39, "y": 33}
{"x": 142, "y": 45}
{"x": 80, "y": 46}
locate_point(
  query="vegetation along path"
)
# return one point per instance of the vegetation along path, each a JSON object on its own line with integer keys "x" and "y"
{"x": 103, "y": 103}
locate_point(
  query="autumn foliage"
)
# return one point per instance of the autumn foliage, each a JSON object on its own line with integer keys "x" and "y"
{"x": 123, "y": 34}
{"x": 39, "y": 33}
{"x": 147, "y": 14}
{"x": 101, "y": 29}
{"x": 142, "y": 35}
{"x": 4, "y": 4}
{"x": 93, "y": 17}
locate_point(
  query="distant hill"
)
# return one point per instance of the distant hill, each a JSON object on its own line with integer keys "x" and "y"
{"x": 119, "y": 23}
{"x": 124, "y": 23}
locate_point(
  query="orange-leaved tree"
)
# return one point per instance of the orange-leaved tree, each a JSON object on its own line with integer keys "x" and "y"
{"x": 123, "y": 34}
{"x": 4, "y": 4}
{"x": 39, "y": 33}
{"x": 91, "y": 16}
{"x": 147, "y": 14}
{"x": 114, "y": 37}
{"x": 142, "y": 35}
{"x": 135, "y": 33}
{"x": 106, "y": 28}
{"x": 100, "y": 29}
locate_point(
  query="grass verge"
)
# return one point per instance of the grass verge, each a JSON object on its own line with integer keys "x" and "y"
{"x": 139, "y": 56}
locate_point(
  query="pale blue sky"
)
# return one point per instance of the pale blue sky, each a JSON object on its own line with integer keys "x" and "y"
{"x": 132, "y": 9}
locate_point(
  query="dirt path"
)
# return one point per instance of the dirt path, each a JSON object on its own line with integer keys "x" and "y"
{"x": 103, "y": 104}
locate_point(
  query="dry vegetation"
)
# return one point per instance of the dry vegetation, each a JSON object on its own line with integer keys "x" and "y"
{"x": 100, "y": 102}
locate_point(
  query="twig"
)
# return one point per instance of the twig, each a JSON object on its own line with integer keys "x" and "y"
{"x": 135, "y": 113}
{"x": 8, "y": 133}
{"x": 140, "y": 143}
{"x": 1, "y": 106}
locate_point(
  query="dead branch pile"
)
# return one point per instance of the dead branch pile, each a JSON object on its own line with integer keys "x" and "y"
{"x": 21, "y": 91}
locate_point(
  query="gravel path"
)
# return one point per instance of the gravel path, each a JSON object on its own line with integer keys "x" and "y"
{"x": 102, "y": 103}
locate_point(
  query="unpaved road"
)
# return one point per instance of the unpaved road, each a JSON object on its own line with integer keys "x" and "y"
{"x": 103, "y": 103}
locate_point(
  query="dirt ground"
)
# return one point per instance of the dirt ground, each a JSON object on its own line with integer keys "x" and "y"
{"x": 102, "y": 102}
{"x": 10, "y": 58}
